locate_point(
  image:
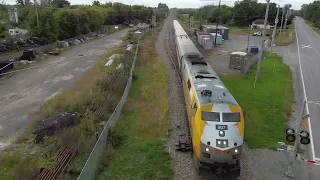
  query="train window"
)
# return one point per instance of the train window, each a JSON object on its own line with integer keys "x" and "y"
{"x": 210, "y": 116}
{"x": 231, "y": 117}
{"x": 189, "y": 84}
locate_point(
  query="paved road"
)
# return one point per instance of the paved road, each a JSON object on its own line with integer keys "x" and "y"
{"x": 23, "y": 93}
{"x": 308, "y": 43}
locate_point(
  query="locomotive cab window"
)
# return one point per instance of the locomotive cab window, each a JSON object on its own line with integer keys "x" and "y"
{"x": 210, "y": 116}
{"x": 189, "y": 84}
{"x": 231, "y": 117}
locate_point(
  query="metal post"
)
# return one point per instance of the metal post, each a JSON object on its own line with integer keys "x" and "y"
{"x": 281, "y": 20}
{"x": 215, "y": 39}
{"x": 37, "y": 15}
{"x": 300, "y": 123}
{"x": 248, "y": 38}
{"x": 266, "y": 18}
{"x": 274, "y": 31}
{"x": 262, "y": 45}
{"x": 285, "y": 23}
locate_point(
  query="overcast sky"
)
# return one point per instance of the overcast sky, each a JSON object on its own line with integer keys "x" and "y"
{"x": 296, "y": 4}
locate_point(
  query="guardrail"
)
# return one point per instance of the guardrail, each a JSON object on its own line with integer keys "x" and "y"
{"x": 89, "y": 169}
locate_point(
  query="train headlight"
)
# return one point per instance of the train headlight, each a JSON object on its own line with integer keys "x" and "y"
{"x": 222, "y": 143}
{"x": 207, "y": 149}
{"x": 236, "y": 151}
{"x": 222, "y": 133}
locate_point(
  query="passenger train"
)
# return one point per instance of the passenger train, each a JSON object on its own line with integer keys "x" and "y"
{"x": 216, "y": 120}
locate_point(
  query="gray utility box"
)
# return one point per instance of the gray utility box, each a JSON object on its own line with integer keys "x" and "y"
{"x": 238, "y": 60}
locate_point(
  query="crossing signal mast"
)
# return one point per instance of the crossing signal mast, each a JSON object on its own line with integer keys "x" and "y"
{"x": 297, "y": 136}
{"x": 304, "y": 136}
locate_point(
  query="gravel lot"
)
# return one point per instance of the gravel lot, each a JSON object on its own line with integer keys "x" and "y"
{"x": 219, "y": 56}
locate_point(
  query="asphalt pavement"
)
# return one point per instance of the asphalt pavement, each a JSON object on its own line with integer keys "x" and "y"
{"x": 308, "y": 46}
{"x": 24, "y": 92}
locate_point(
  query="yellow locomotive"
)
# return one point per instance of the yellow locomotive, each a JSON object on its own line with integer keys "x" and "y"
{"x": 216, "y": 120}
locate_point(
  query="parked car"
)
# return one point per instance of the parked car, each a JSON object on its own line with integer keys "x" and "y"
{"x": 259, "y": 33}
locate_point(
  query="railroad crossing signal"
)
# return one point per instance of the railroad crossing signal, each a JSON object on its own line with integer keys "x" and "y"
{"x": 304, "y": 136}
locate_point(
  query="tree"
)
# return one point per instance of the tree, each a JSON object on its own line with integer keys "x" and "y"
{"x": 24, "y": 2}
{"x": 60, "y": 3}
{"x": 311, "y": 12}
{"x": 48, "y": 26}
{"x": 44, "y": 2}
{"x": 96, "y": 3}
{"x": 96, "y": 18}
{"x": 3, "y": 12}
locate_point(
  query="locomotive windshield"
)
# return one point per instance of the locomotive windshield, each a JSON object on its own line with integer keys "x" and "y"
{"x": 210, "y": 116}
{"x": 231, "y": 117}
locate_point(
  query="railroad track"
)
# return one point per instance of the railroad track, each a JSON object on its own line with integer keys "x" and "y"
{"x": 170, "y": 50}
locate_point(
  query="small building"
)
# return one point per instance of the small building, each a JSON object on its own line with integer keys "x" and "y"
{"x": 238, "y": 60}
{"x": 217, "y": 40}
{"x": 18, "y": 31}
{"x": 259, "y": 23}
{"x": 224, "y": 31}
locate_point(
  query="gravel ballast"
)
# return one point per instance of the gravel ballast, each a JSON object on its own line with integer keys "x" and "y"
{"x": 183, "y": 162}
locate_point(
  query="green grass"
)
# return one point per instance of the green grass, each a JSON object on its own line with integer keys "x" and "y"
{"x": 268, "y": 105}
{"x": 317, "y": 30}
{"x": 143, "y": 125}
{"x": 239, "y": 31}
{"x": 286, "y": 38}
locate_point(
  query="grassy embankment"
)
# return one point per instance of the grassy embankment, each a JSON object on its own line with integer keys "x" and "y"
{"x": 268, "y": 105}
{"x": 24, "y": 157}
{"x": 317, "y": 30}
{"x": 286, "y": 38}
{"x": 143, "y": 126}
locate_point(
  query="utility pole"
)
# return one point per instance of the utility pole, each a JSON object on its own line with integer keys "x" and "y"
{"x": 37, "y": 15}
{"x": 262, "y": 44}
{"x": 189, "y": 23}
{"x": 282, "y": 20}
{"x": 285, "y": 23}
{"x": 274, "y": 30}
{"x": 248, "y": 38}
{"x": 300, "y": 123}
{"x": 191, "y": 19}
{"x": 215, "y": 39}
{"x": 266, "y": 18}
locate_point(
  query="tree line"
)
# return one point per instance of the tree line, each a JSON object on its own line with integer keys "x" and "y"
{"x": 311, "y": 12}
{"x": 242, "y": 14}
{"x": 57, "y": 19}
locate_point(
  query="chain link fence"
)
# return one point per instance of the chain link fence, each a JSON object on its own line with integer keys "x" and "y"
{"x": 89, "y": 169}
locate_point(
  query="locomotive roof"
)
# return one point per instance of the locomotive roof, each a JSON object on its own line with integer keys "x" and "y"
{"x": 204, "y": 78}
